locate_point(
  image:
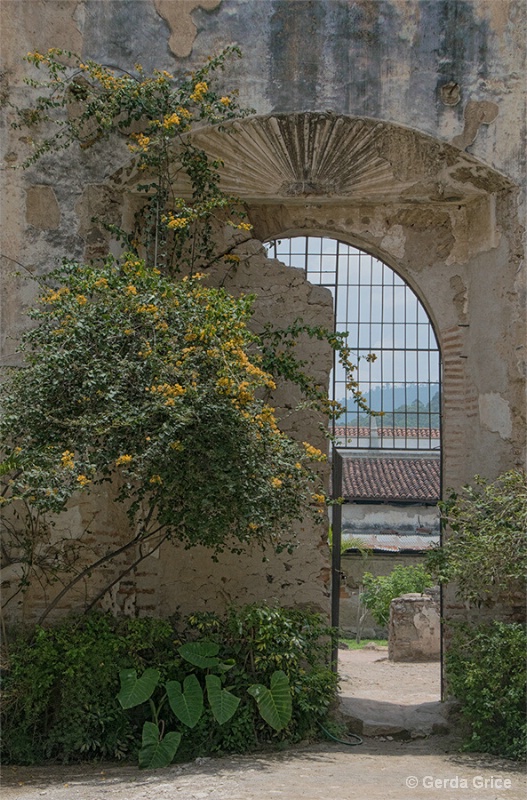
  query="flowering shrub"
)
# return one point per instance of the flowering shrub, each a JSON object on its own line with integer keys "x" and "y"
{"x": 136, "y": 372}
{"x": 154, "y": 115}
{"x": 133, "y": 376}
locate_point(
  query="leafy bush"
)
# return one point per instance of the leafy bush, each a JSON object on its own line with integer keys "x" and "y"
{"x": 262, "y": 640}
{"x": 485, "y": 553}
{"x": 59, "y": 690}
{"x": 61, "y": 685}
{"x": 380, "y": 591}
{"x": 486, "y": 671}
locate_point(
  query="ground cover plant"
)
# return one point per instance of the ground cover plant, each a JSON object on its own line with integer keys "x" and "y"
{"x": 62, "y": 686}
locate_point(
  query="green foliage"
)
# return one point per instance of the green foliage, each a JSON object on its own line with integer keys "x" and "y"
{"x": 486, "y": 672}
{"x": 263, "y": 640}
{"x": 136, "y": 690}
{"x": 222, "y": 702}
{"x": 380, "y": 591}
{"x": 158, "y": 384}
{"x": 61, "y": 686}
{"x": 135, "y": 371}
{"x": 157, "y": 750}
{"x": 485, "y": 552}
{"x": 274, "y": 703}
{"x": 186, "y": 703}
{"x": 58, "y": 696}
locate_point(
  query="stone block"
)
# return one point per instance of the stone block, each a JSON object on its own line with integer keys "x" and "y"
{"x": 414, "y": 632}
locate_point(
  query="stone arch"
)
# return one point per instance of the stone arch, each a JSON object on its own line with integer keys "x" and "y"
{"x": 443, "y": 221}
{"x": 429, "y": 210}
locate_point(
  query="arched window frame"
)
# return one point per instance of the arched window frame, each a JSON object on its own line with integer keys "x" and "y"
{"x": 412, "y": 359}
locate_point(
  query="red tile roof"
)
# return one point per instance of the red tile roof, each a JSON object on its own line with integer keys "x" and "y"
{"x": 388, "y": 433}
{"x": 391, "y": 479}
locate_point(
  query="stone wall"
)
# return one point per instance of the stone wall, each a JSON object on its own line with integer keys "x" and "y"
{"x": 394, "y": 125}
{"x": 353, "y": 567}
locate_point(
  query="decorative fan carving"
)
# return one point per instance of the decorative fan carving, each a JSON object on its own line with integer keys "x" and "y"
{"x": 330, "y": 158}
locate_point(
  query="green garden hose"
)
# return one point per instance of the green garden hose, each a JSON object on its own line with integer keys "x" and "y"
{"x": 341, "y": 741}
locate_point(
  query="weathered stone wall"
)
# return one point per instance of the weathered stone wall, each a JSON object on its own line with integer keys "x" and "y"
{"x": 395, "y": 125}
{"x": 353, "y": 567}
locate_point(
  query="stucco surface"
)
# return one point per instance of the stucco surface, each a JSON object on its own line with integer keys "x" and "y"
{"x": 397, "y": 126}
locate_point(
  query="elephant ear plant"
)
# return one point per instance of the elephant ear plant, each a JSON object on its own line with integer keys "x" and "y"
{"x": 187, "y": 700}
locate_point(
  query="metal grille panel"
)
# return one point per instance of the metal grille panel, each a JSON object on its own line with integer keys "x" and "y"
{"x": 381, "y": 315}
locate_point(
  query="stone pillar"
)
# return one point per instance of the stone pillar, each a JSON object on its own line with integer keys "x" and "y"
{"x": 414, "y": 628}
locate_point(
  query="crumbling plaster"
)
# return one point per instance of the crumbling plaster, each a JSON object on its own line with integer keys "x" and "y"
{"x": 395, "y": 125}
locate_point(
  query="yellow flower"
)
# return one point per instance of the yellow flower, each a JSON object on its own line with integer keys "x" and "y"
{"x": 171, "y": 121}
{"x": 150, "y": 308}
{"x": 81, "y": 300}
{"x": 314, "y": 453}
{"x": 226, "y": 101}
{"x": 101, "y": 283}
{"x": 83, "y": 480}
{"x": 53, "y": 296}
{"x": 176, "y": 223}
{"x": 156, "y": 479}
{"x": 199, "y": 90}
{"x": 128, "y": 331}
{"x": 68, "y": 459}
{"x": 142, "y": 140}
{"x": 276, "y": 483}
{"x": 131, "y": 289}
{"x": 126, "y": 459}
{"x": 318, "y": 498}
{"x": 244, "y": 226}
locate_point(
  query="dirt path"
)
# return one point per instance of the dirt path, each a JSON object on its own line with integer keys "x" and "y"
{"x": 368, "y": 673}
{"x": 379, "y": 769}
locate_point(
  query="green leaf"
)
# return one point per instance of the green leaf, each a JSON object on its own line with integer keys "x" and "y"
{"x": 136, "y": 690}
{"x": 157, "y": 752}
{"x": 187, "y": 705}
{"x": 201, "y": 654}
{"x": 274, "y": 704}
{"x": 223, "y": 704}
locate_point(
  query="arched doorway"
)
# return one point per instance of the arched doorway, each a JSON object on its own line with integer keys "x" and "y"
{"x": 386, "y": 467}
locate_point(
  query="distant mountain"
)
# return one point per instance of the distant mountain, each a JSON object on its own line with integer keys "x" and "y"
{"x": 403, "y": 406}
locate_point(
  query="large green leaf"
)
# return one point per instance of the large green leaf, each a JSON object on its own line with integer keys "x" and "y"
{"x": 274, "y": 704}
{"x": 136, "y": 690}
{"x": 187, "y": 704}
{"x": 201, "y": 654}
{"x": 223, "y": 704}
{"x": 157, "y": 752}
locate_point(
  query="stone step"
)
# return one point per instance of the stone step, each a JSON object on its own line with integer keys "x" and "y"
{"x": 368, "y": 717}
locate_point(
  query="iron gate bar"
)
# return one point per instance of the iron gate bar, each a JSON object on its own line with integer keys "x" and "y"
{"x": 336, "y": 539}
